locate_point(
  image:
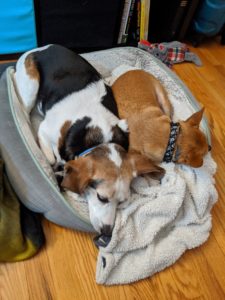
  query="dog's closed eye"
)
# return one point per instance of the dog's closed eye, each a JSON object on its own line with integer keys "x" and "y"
{"x": 102, "y": 199}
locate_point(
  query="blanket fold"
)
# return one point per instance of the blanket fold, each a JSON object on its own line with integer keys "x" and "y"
{"x": 161, "y": 222}
{"x": 21, "y": 234}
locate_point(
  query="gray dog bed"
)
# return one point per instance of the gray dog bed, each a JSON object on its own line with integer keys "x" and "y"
{"x": 27, "y": 168}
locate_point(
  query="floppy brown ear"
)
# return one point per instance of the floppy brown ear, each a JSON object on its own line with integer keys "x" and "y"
{"x": 143, "y": 165}
{"x": 77, "y": 175}
{"x": 195, "y": 119}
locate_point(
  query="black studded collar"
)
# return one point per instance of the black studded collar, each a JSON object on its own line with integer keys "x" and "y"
{"x": 174, "y": 131}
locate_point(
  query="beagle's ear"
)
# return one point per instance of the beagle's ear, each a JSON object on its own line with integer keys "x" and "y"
{"x": 143, "y": 165}
{"x": 78, "y": 174}
{"x": 195, "y": 119}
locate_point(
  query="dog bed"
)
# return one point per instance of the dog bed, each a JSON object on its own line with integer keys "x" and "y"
{"x": 28, "y": 169}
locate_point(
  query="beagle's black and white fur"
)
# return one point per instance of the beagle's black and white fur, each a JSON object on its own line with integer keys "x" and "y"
{"x": 80, "y": 113}
{"x": 78, "y": 107}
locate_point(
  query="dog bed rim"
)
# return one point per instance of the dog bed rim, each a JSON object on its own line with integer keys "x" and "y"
{"x": 193, "y": 103}
{"x": 9, "y": 71}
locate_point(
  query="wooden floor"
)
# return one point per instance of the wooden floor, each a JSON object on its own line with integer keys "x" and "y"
{"x": 65, "y": 268}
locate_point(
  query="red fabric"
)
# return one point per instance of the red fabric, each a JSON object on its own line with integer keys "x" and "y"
{"x": 173, "y": 55}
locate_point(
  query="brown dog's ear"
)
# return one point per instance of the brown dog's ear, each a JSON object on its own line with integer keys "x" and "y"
{"x": 195, "y": 119}
{"x": 143, "y": 165}
{"x": 77, "y": 175}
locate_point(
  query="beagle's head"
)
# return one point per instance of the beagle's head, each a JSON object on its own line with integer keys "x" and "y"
{"x": 104, "y": 177}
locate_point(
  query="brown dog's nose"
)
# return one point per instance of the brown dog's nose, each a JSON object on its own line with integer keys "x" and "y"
{"x": 209, "y": 147}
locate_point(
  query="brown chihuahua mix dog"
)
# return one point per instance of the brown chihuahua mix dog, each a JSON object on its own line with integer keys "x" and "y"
{"x": 142, "y": 100}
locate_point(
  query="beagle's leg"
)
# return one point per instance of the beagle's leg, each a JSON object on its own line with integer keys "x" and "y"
{"x": 45, "y": 143}
{"x": 27, "y": 79}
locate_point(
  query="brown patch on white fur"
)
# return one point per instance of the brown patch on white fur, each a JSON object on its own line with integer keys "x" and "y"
{"x": 97, "y": 166}
{"x": 63, "y": 131}
{"x": 94, "y": 135}
{"x": 94, "y": 166}
{"x": 143, "y": 101}
{"x": 31, "y": 67}
{"x": 100, "y": 151}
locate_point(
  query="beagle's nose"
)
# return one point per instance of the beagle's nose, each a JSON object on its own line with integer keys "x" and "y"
{"x": 209, "y": 147}
{"x": 106, "y": 230}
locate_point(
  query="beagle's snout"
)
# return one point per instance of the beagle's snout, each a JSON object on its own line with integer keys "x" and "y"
{"x": 106, "y": 230}
{"x": 209, "y": 148}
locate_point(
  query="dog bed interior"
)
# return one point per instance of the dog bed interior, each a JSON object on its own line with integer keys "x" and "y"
{"x": 28, "y": 169}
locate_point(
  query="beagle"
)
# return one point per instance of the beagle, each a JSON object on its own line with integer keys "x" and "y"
{"x": 80, "y": 116}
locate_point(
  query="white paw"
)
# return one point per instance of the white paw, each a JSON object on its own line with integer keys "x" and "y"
{"x": 123, "y": 125}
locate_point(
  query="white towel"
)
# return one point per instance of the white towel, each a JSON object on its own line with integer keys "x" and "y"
{"x": 162, "y": 221}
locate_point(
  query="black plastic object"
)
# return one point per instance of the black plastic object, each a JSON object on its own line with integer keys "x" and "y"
{"x": 82, "y": 25}
{"x": 166, "y": 19}
{"x": 102, "y": 240}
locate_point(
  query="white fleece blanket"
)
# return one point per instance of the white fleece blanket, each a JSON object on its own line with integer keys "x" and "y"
{"x": 161, "y": 222}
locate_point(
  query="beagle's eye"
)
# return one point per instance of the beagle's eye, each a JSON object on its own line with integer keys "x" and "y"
{"x": 102, "y": 199}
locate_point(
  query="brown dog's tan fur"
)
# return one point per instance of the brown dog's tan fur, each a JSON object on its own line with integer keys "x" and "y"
{"x": 142, "y": 100}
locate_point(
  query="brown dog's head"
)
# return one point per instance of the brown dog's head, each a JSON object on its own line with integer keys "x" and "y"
{"x": 105, "y": 175}
{"x": 192, "y": 144}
